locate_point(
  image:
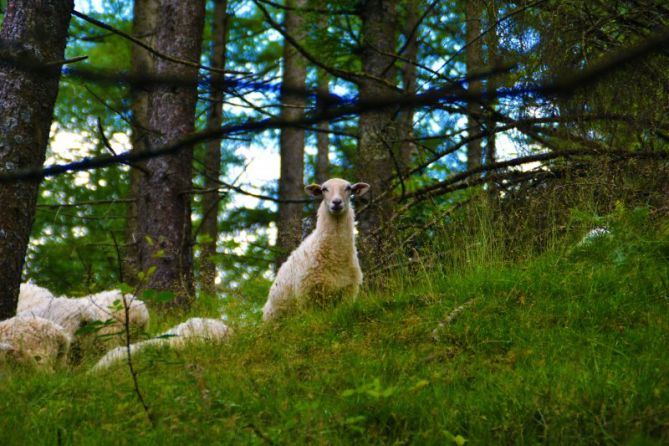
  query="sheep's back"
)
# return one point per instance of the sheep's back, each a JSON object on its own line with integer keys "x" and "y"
{"x": 31, "y": 295}
{"x": 70, "y": 314}
{"x": 105, "y": 305}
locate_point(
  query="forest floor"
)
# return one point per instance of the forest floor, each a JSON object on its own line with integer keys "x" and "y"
{"x": 569, "y": 347}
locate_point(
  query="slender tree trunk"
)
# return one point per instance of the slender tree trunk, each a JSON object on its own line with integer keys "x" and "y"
{"x": 33, "y": 33}
{"x": 410, "y": 32}
{"x": 164, "y": 208}
{"x": 473, "y": 13}
{"x": 493, "y": 60}
{"x": 322, "y": 137}
{"x": 291, "y": 181}
{"x": 144, "y": 27}
{"x": 376, "y": 161}
{"x": 212, "y": 162}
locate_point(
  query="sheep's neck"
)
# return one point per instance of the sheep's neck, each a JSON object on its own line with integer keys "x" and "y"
{"x": 335, "y": 227}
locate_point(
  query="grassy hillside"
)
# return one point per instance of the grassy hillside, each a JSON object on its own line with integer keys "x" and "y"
{"x": 570, "y": 347}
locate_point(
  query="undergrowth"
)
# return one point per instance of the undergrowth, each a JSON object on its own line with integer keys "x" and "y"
{"x": 568, "y": 347}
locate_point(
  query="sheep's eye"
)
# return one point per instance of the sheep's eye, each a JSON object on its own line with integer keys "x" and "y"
{"x": 348, "y": 188}
{"x": 324, "y": 189}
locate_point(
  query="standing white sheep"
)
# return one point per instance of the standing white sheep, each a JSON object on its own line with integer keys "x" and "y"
{"x": 33, "y": 341}
{"x": 324, "y": 268}
{"x": 193, "y": 330}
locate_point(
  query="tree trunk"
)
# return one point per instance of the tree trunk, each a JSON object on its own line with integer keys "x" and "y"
{"x": 408, "y": 148}
{"x": 144, "y": 27}
{"x": 376, "y": 162}
{"x": 491, "y": 87}
{"x": 212, "y": 162}
{"x": 291, "y": 181}
{"x": 473, "y": 12}
{"x": 36, "y": 32}
{"x": 164, "y": 208}
{"x": 322, "y": 137}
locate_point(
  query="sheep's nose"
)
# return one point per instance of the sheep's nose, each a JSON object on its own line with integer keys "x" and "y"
{"x": 337, "y": 202}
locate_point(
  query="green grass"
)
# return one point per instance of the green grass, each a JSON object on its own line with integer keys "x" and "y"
{"x": 570, "y": 347}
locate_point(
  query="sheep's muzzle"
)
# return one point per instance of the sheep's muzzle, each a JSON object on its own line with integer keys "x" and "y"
{"x": 336, "y": 206}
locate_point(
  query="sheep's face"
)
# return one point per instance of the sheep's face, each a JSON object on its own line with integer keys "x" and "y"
{"x": 337, "y": 193}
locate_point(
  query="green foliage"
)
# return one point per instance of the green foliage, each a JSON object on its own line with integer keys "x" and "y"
{"x": 157, "y": 296}
{"x": 77, "y": 250}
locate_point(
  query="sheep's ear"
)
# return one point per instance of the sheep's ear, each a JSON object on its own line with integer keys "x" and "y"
{"x": 314, "y": 189}
{"x": 360, "y": 188}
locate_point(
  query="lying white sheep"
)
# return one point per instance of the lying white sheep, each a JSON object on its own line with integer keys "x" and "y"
{"x": 197, "y": 329}
{"x": 6, "y": 352}
{"x": 31, "y": 295}
{"x": 108, "y": 305}
{"x": 33, "y": 341}
{"x": 193, "y": 330}
{"x": 72, "y": 313}
{"x": 324, "y": 268}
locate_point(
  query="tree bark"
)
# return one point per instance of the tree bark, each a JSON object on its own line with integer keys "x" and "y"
{"x": 408, "y": 148}
{"x": 473, "y": 13}
{"x": 164, "y": 208}
{"x": 35, "y": 32}
{"x": 491, "y": 85}
{"x": 144, "y": 27}
{"x": 322, "y": 137}
{"x": 212, "y": 162}
{"x": 376, "y": 162}
{"x": 291, "y": 181}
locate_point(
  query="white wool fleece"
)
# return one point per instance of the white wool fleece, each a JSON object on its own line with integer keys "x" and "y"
{"x": 324, "y": 269}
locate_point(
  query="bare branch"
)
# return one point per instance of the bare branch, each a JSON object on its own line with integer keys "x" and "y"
{"x": 464, "y": 177}
{"x": 486, "y": 31}
{"x": 315, "y": 10}
{"x": 87, "y": 203}
{"x": 567, "y": 84}
{"x": 451, "y": 93}
{"x": 66, "y": 61}
{"x": 352, "y": 77}
{"x": 260, "y": 196}
{"x": 107, "y": 144}
{"x": 148, "y": 48}
{"x": 131, "y": 366}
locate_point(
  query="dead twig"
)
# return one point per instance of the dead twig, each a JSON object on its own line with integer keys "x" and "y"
{"x": 450, "y": 318}
{"x": 131, "y": 367}
{"x": 58, "y": 63}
